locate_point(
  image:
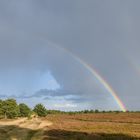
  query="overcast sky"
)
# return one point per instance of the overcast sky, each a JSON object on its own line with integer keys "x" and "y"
{"x": 34, "y": 68}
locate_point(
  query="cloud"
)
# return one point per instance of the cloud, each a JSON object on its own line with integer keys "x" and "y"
{"x": 65, "y": 105}
{"x": 98, "y": 32}
{"x": 45, "y": 93}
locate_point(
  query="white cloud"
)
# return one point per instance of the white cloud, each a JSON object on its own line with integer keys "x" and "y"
{"x": 65, "y": 105}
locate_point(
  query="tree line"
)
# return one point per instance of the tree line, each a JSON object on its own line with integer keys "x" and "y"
{"x": 10, "y": 109}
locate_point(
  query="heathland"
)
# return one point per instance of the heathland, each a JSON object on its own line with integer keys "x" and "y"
{"x": 83, "y": 126}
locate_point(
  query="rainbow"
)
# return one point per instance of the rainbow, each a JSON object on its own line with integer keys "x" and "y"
{"x": 96, "y": 74}
{"x": 104, "y": 83}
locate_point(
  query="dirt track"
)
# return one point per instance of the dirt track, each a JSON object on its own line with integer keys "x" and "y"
{"x": 23, "y": 129}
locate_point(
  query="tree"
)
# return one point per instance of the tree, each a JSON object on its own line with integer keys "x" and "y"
{"x": 1, "y": 110}
{"x": 86, "y": 111}
{"x": 10, "y": 108}
{"x": 24, "y": 110}
{"x": 40, "y": 110}
{"x": 96, "y": 111}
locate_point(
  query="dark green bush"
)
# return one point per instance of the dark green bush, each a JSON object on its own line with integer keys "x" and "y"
{"x": 40, "y": 110}
{"x": 25, "y": 111}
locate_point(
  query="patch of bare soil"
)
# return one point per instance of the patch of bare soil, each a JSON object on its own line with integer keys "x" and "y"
{"x": 23, "y": 129}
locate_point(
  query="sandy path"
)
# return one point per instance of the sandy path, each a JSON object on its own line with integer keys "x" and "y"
{"x": 24, "y": 129}
{"x": 12, "y": 122}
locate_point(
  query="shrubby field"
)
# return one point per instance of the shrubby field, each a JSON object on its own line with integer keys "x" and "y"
{"x": 89, "y": 126}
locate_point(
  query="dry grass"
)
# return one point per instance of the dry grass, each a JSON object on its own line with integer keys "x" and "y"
{"x": 102, "y": 126}
{"x": 99, "y": 124}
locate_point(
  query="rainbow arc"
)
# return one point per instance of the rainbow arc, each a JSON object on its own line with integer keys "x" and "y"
{"x": 92, "y": 70}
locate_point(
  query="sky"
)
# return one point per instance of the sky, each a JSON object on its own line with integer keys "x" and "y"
{"x": 41, "y": 42}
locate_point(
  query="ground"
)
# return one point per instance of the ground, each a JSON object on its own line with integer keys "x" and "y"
{"x": 98, "y": 126}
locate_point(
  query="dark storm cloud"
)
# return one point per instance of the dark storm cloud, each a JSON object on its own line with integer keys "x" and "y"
{"x": 102, "y": 33}
{"x": 50, "y": 93}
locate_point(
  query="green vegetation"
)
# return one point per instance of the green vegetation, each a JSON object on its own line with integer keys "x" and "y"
{"x": 40, "y": 110}
{"x": 10, "y": 109}
{"x": 1, "y": 110}
{"x": 25, "y": 111}
{"x": 83, "y": 112}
